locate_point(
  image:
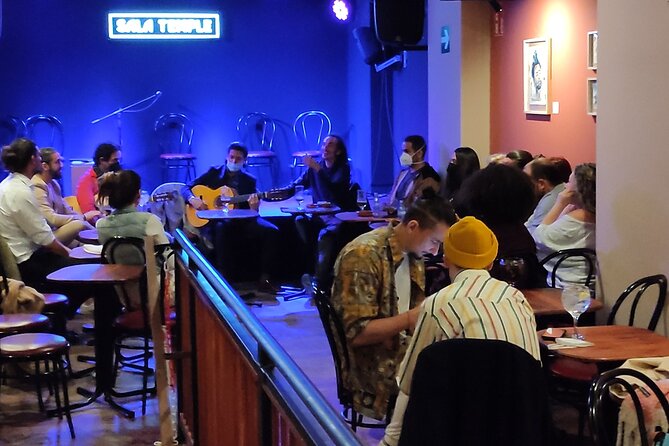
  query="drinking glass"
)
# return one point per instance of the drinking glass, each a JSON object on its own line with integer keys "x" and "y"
{"x": 376, "y": 205}
{"x": 513, "y": 271}
{"x": 299, "y": 196}
{"x": 361, "y": 199}
{"x": 576, "y": 300}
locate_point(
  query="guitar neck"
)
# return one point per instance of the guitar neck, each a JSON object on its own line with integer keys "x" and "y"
{"x": 244, "y": 198}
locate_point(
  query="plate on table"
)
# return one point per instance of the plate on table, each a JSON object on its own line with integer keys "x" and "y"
{"x": 93, "y": 249}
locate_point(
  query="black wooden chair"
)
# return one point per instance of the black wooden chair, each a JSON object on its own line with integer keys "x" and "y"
{"x": 334, "y": 330}
{"x": 588, "y": 256}
{"x": 477, "y": 392}
{"x": 603, "y": 409}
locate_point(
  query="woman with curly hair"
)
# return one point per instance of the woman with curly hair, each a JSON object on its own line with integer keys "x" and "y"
{"x": 570, "y": 224}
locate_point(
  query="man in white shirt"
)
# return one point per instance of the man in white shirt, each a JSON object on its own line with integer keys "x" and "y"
{"x": 64, "y": 221}
{"x": 35, "y": 247}
{"x": 549, "y": 180}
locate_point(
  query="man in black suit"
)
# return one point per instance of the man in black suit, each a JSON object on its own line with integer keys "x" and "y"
{"x": 221, "y": 232}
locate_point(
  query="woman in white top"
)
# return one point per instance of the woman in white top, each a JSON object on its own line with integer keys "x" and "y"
{"x": 570, "y": 224}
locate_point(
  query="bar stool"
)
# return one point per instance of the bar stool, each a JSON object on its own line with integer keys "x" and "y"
{"x": 11, "y": 324}
{"x": 36, "y": 347}
{"x": 257, "y": 130}
{"x": 174, "y": 132}
{"x": 52, "y": 137}
{"x": 310, "y": 128}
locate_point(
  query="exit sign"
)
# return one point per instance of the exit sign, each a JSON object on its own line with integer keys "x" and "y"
{"x": 163, "y": 25}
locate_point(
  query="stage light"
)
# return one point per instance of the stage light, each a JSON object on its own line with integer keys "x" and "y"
{"x": 342, "y": 9}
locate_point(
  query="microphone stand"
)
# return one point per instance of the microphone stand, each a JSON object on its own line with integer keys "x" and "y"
{"x": 118, "y": 113}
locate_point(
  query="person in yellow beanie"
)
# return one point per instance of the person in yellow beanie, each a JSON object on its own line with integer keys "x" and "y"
{"x": 475, "y": 305}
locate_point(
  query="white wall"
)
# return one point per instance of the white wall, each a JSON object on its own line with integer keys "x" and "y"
{"x": 632, "y": 142}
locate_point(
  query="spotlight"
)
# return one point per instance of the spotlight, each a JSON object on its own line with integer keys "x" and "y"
{"x": 342, "y": 9}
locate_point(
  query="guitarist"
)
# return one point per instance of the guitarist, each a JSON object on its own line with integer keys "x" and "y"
{"x": 219, "y": 233}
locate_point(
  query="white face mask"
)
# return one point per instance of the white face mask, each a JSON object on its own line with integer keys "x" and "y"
{"x": 406, "y": 160}
{"x": 234, "y": 167}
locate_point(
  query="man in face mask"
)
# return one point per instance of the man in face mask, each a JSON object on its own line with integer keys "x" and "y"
{"x": 107, "y": 158}
{"x": 416, "y": 176}
{"x": 219, "y": 234}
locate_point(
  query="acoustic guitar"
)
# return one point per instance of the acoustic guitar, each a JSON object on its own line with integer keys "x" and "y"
{"x": 225, "y": 196}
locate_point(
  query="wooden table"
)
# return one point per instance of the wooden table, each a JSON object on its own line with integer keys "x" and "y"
{"x": 355, "y": 217}
{"x": 548, "y": 302}
{"x": 231, "y": 214}
{"x": 80, "y": 253}
{"x": 311, "y": 210}
{"x": 615, "y": 343}
{"x": 89, "y": 236}
{"x": 102, "y": 277}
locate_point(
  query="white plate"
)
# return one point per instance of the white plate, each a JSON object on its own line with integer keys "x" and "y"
{"x": 93, "y": 249}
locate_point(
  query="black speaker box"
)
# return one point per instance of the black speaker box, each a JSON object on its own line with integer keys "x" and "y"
{"x": 399, "y": 22}
{"x": 369, "y": 47}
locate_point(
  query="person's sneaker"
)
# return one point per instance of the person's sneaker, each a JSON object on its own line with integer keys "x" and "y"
{"x": 265, "y": 286}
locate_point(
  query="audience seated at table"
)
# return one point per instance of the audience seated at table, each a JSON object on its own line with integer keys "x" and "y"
{"x": 463, "y": 164}
{"x": 107, "y": 158}
{"x": 570, "y": 224}
{"x": 379, "y": 281}
{"x": 416, "y": 175}
{"x": 516, "y": 158}
{"x": 217, "y": 235}
{"x": 329, "y": 180}
{"x": 65, "y": 222}
{"x": 503, "y": 198}
{"x": 35, "y": 247}
{"x": 474, "y": 306}
{"x": 549, "y": 180}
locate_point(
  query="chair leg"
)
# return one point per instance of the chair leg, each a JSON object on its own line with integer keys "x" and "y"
{"x": 40, "y": 401}
{"x": 66, "y": 397}
{"x": 54, "y": 377}
{"x": 145, "y": 374}
{"x": 582, "y": 413}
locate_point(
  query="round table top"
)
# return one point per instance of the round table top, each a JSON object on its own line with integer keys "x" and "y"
{"x": 548, "y": 301}
{"x": 97, "y": 273}
{"x": 89, "y": 236}
{"x": 310, "y": 209}
{"x": 356, "y": 217}
{"x": 615, "y": 343}
{"x": 220, "y": 214}
{"x": 80, "y": 253}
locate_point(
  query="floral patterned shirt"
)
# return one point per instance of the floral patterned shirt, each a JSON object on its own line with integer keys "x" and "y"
{"x": 363, "y": 290}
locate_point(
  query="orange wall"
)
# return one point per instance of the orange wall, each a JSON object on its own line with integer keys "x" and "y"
{"x": 571, "y": 133}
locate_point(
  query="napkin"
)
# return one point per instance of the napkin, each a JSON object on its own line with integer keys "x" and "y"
{"x": 93, "y": 249}
{"x": 561, "y": 343}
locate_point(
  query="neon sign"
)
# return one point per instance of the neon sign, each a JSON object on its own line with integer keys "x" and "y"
{"x": 149, "y": 25}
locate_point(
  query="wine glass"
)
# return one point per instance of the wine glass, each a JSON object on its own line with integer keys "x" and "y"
{"x": 299, "y": 196}
{"x": 513, "y": 270}
{"x": 361, "y": 199}
{"x": 576, "y": 300}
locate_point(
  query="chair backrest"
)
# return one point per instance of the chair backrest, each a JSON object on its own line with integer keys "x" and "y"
{"x": 641, "y": 286}
{"x": 11, "y": 128}
{"x": 127, "y": 251}
{"x": 477, "y": 392}
{"x": 601, "y": 405}
{"x": 310, "y": 128}
{"x": 167, "y": 203}
{"x": 46, "y": 131}
{"x": 256, "y": 130}
{"x": 334, "y": 331}
{"x": 588, "y": 256}
{"x": 174, "y": 132}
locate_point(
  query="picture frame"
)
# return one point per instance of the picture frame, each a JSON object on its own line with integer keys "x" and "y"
{"x": 592, "y": 96}
{"x": 593, "y": 40}
{"x": 537, "y": 75}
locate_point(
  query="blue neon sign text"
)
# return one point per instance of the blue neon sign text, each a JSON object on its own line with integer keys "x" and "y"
{"x": 163, "y": 25}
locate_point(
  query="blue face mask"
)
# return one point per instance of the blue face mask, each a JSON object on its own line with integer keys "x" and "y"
{"x": 234, "y": 167}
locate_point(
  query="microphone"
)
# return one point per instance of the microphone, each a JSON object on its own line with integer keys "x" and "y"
{"x": 158, "y": 93}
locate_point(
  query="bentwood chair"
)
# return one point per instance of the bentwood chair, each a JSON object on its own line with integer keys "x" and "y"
{"x": 310, "y": 128}
{"x": 572, "y": 256}
{"x": 46, "y": 131}
{"x": 461, "y": 392}
{"x": 174, "y": 132}
{"x": 603, "y": 409}
{"x": 256, "y": 130}
{"x": 570, "y": 379}
{"x": 11, "y": 128}
{"x": 334, "y": 331}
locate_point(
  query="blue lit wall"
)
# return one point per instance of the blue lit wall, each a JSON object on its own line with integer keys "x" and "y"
{"x": 277, "y": 56}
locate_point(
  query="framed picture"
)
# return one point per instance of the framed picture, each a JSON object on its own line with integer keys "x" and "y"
{"x": 592, "y": 96}
{"x": 537, "y": 75}
{"x": 592, "y": 50}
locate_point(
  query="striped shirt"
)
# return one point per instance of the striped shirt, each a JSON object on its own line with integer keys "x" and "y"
{"x": 474, "y": 306}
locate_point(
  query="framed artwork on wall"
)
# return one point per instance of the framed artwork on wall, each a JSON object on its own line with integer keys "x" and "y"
{"x": 592, "y": 96}
{"x": 537, "y": 75}
{"x": 592, "y": 50}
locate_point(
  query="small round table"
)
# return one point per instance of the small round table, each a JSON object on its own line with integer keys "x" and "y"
{"x": 89, "y": 236}
{"x": 231, "y": 214}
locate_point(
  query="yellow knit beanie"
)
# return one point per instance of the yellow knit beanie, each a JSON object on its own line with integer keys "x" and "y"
{"x": 470, "y": 244}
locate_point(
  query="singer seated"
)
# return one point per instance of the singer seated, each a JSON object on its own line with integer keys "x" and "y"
{"x": 218, "y": 235}
{"x": 107, "y": 158}
{"x": 64, "y": 221}
{"x": 416, "y": 175}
